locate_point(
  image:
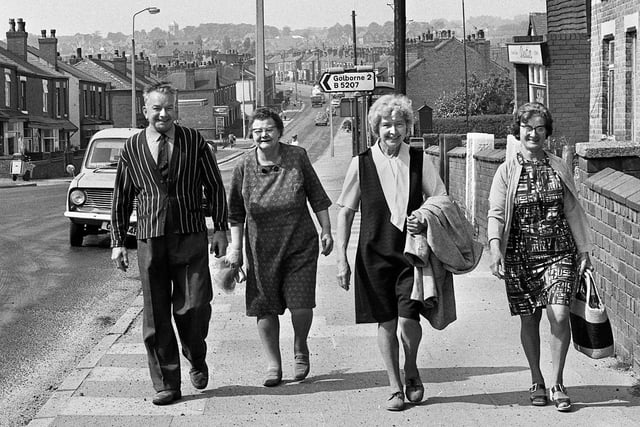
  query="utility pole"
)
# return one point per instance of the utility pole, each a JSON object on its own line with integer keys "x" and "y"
{"x": 260, "y": 53}
{"x": 466, "y": 80}
{"x": 355, "y": 51}
{"x": 399, "y": 38}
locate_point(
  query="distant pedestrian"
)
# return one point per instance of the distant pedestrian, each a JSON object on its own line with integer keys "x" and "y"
{"x": 539, "y": 240}
{"x": 166, "y": 168}
{"x": 386, "y": 182}
{"x": 294, "y": 140}
{"x": 232, "y": 140}
{"x": 271, "y": 189}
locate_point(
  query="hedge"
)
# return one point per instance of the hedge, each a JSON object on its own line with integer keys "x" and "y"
{"x": 497, "y": 124}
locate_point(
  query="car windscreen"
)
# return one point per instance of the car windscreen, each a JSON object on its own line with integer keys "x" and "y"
{"x": 105, "y": 153}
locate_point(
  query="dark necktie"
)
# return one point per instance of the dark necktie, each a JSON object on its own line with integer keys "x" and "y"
{"x": 163, "y": 157}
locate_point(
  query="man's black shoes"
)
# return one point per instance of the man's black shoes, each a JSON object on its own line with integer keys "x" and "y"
{"x": 199, "y": 376}
{"x": 166, "y": 397}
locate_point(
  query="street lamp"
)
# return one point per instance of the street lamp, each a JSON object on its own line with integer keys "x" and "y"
{"x": 153, "y": 11}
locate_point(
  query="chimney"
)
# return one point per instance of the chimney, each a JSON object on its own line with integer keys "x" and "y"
{"x": 17, "y": 39}
{"x": 120, "y": 63}
{"x": 189, "y": 79}
{"x": 140, "y": 65}
{"x": 79, "y": 53}
{"x": 49, "y": 48}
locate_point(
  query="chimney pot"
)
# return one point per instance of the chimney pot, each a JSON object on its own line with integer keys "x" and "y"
{"x": 21, "y": 24}
{"x": 115, "y": 52}
{"x": 79, "y": 53}
{"x": 12, "y": 24}
{"x": 53, "y": 33}
{"x": 44, "y": 33}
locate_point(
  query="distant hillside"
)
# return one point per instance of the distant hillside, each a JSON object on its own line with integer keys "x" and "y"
{"x": 241, "y": 37}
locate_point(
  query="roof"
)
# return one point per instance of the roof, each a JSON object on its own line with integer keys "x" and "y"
{"x": 103, "y": 73}
{"x": 537, "y": 24}
{"x": 50, "y": 123}
{"x": 25, "y": 67}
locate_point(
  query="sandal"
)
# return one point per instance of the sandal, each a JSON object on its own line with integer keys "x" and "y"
{"x": 560, "y": 398}
{"x": 538, "y": 395}
{"x": 395, "y": 402}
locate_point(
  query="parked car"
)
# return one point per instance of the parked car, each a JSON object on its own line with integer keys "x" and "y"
{"x": 90, "y": 193}
{"x": 322, "y": 119}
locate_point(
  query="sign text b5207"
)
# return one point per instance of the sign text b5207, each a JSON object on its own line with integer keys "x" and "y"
{"x": 348, "y": 81}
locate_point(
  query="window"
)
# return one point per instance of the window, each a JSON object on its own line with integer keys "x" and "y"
{"x": 630, "y": 85}
{"x": 538, "y": 84}
{"x": 48, "y": 139}
{"x": 608, "y": 87}
{"x": 57, "y": 102}
{"x": 100, "y": 103}
{"x": 7, "y": 88}
{"x": 85, "y": 101}
{"x": 23, "y": 93}
{"x": 45, "y": 96}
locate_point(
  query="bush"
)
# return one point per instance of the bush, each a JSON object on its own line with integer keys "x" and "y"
{"x": 498, "y": 124}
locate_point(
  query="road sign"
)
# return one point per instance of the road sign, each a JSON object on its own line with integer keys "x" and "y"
{"x": 352, "y": 81}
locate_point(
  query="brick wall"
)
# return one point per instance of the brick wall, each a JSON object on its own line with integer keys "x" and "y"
{"x": 568, "y": 85}
{"x": 611, "y": 198}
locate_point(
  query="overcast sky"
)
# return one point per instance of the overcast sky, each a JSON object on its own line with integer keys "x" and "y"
{"x": 69, "y": 17}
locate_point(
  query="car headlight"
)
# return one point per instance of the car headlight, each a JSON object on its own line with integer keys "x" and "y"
{"x": 77, "y": 197}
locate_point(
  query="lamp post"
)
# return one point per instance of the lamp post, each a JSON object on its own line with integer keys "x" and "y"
{"x": 153, "y": 11}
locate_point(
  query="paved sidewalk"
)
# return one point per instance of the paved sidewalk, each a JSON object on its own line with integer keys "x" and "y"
{"x": 474, "y": 371}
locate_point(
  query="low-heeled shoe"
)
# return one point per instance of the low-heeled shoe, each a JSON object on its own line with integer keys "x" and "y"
{"x": 414, "y": 390}
{"x": 273, "y": 377}
{"x": 395, "y": 402}
{"x": 301, "y": 366}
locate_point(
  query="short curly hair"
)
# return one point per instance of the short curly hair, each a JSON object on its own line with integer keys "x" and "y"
{"x": 528, "y": 110}
{"x": 265, "y": 113}
{"x": 387, "y": 104}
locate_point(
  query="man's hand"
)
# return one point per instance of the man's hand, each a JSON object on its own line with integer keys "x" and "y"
{"x": 120, "y": 258}
{"x": 218, "y": 243}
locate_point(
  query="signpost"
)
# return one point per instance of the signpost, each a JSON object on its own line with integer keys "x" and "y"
{"x": 348, "y": 81}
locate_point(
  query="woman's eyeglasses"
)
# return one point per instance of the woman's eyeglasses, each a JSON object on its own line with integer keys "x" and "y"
{"x": 528, "y": 128}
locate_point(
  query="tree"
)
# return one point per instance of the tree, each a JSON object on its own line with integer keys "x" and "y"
{"x": 493, "y": 95}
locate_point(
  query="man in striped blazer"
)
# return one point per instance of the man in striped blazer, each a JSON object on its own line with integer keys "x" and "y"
{"x": 166, "y": 167}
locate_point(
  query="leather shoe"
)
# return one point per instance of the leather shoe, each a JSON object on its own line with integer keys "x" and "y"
{"x": 414, "y": 390}
{"x": 166, "y": 397}
{"x": 301, "y": 367}
{"x": 273, "y": 377}
{"x": 199, "y": 377}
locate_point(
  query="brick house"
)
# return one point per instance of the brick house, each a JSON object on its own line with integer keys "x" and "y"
{"x": 207, "y": 99}
{"x": 614, "y": 98}
{"x": 116, "y": 71}
{"x": 551, "y": 65}
{"x": 34, "y": 112}
{"x": 435, "y": 64}
{"x": 88, "y": 108}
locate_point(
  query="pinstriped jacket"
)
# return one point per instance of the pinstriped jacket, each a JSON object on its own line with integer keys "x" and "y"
{"x": 191, "y": 168}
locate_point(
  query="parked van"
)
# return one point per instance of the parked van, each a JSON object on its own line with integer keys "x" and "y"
{"x": 90, "y": 193}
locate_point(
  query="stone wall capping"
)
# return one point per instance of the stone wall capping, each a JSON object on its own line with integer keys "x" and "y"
{"x": 603, "y": 149}
{"x": 595, "y": 181}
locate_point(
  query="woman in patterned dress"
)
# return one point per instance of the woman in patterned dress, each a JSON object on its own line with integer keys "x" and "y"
{"x": 270, "y": 188}
{"x": 387, "y": 182}
{"x": 539, "y": 239}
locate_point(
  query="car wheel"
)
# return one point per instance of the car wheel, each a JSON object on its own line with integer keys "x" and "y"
{"x": 76, "y": 234}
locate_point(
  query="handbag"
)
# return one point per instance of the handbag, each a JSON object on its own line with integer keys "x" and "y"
{"x": 590, "y": 326}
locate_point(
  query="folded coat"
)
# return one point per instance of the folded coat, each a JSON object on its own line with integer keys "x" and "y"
{"x": 446, "y": 247}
